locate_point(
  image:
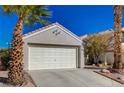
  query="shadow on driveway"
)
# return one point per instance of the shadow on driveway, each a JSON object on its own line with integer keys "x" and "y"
{"x": 4, "y": 80}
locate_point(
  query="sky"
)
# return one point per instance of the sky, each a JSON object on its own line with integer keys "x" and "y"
{"x": 80, "y": 20}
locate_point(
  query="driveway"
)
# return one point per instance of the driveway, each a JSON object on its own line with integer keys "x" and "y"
{"x": 71, "y": 78}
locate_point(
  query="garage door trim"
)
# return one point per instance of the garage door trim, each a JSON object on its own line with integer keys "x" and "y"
{"x": 55, "y": 46}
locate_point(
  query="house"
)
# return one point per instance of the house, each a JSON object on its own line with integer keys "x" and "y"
{"x": 109, "y": 53}
{"x": 52, "y": 47}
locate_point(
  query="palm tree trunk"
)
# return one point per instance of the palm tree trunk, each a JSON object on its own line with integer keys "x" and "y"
{"x": 16, "y": 74}
{"x": 117, "y": 37}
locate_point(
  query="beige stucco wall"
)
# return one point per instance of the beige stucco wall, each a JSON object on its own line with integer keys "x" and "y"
{"x": 110, "y": 56}
{"x": 48, "y": 37}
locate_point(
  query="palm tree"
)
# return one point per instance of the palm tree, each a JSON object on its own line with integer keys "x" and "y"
{"x": 117, "y": 36}
{"x": 26, "y": 15}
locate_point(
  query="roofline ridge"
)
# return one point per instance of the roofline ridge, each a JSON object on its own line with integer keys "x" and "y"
{"x": 39, "y": 29}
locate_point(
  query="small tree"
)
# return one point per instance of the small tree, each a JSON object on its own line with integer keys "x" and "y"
{"x": 95, "y": 46}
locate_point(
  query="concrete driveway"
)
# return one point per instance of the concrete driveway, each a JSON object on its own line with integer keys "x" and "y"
{"x": 71, "y": 78}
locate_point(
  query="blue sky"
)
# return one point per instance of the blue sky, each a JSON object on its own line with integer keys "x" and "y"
{"x": 78, "y": 19}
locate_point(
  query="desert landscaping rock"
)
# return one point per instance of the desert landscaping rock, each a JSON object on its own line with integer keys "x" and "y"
{"x": 105, "y": 71}
{"x": 121, "y": 78}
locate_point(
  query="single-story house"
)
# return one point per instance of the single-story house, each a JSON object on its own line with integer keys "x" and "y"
{"x": 52, "y": 47}
{"x": 109, "y": 53}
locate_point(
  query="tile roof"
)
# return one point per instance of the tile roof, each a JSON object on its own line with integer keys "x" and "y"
{"x": 109, "y": 32}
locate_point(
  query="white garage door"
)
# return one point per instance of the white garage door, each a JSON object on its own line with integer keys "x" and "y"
{"x": 52, "y": 58}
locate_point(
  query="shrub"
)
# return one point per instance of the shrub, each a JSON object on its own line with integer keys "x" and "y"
{"x": 95, "y": 46}
{"x": 4, "y": 55}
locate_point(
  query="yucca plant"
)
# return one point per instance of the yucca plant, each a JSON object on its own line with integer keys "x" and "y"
{"x": 27, "y": 14}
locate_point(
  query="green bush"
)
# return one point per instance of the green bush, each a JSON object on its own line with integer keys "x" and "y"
{"x": 123, "y": 65}
{"x": 4, "y": 55}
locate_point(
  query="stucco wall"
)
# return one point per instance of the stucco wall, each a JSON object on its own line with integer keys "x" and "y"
{"x": 110, "y": 56}
{"x": 50, "y": 36}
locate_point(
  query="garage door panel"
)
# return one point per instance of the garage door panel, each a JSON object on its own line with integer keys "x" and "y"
{"x": 52, "y": 58}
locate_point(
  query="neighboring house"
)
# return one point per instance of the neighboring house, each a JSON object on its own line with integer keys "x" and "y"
{"x": 52, "y": 47}
{"x": 109, "y": 55}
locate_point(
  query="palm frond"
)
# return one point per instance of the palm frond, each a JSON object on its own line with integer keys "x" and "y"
{"x": 29, "y": 13}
